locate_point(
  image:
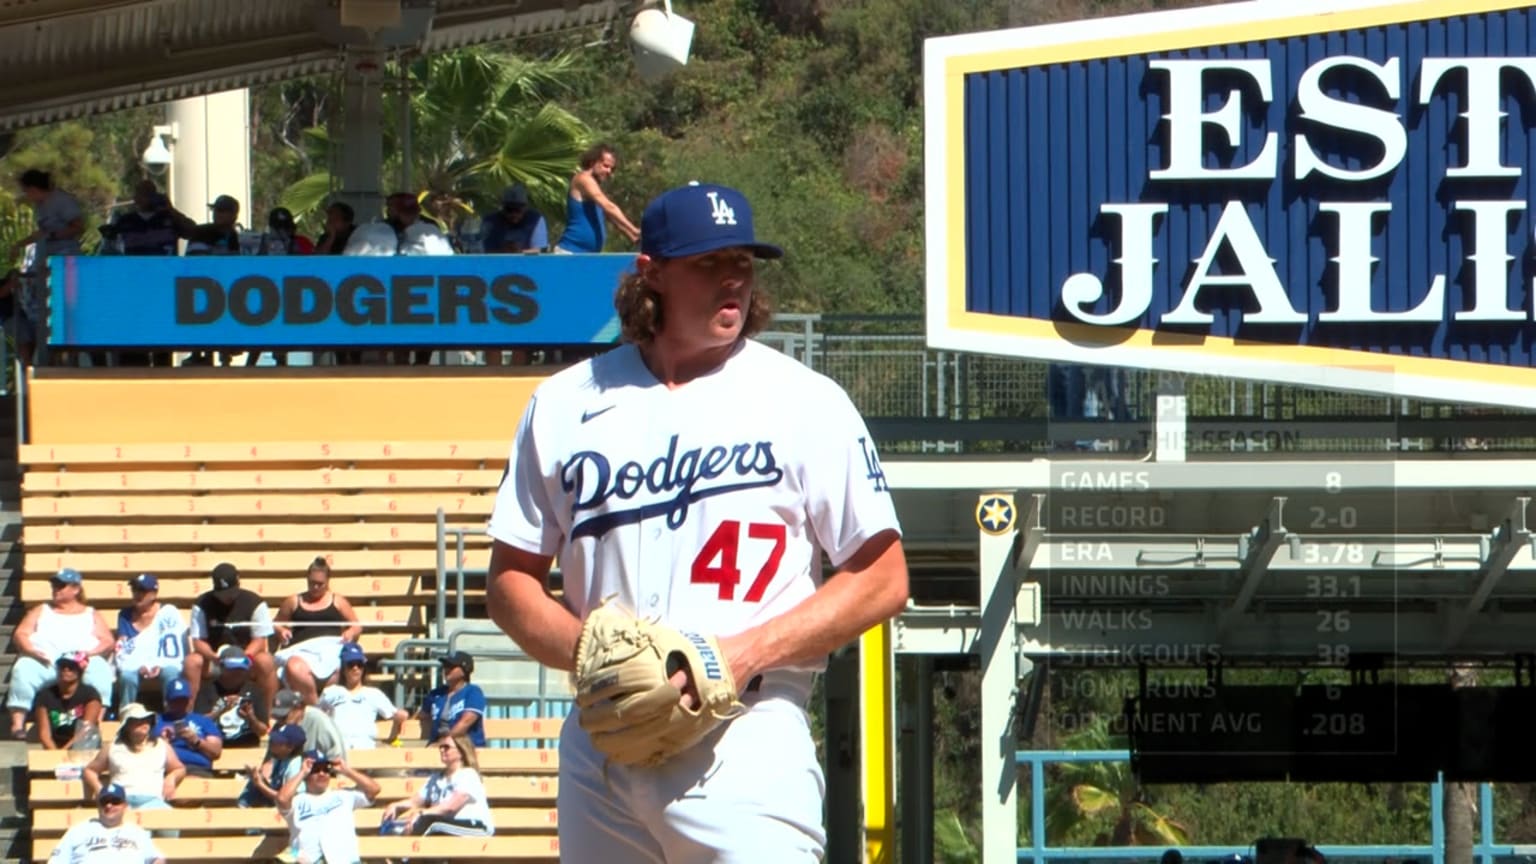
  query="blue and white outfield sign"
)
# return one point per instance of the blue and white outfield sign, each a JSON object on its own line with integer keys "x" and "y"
{"x": 304, "y": 301}
{"x": 1333, "y": 193}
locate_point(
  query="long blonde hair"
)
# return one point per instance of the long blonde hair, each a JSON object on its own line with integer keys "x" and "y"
{"x": 640, "y": 312}
{"x": 466, "y": 750}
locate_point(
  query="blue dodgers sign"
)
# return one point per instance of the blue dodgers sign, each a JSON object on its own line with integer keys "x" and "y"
{"x": 470, "y": 301}
{"x": 1325, "y": 193}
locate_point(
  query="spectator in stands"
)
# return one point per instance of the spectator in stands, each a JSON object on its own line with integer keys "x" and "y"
{"x": 453, "y": 801}
{"x": 455, "y": 707}
{"x": 516, "y": 227}
{"x": 151, "y": 640}
{"x": 67, "y": 710}
{"x": 153, "y": 226}
{"x": 231, "y": 615}
{"x": 63, "y": 625}
{"x": 340, "y": 222}
{"x": 321, "y": 817}
{"x": 283, "y": 748}
{"x": 196, "y": 738}
{"x": 233, "y": 701}
{"x": 320, "y": 731}
{"x": 220, "y": 236}
{"x": 107, "y": 839}
{"x": 324, "y": 621}
{"x": 146, "y": 767}
{"x": 585, "y": 204}
{"x": 283, "y": 237}
{"x": 13, "y": 311}
{"x": 58, "y": 216}
{"x": 356, "y": 707}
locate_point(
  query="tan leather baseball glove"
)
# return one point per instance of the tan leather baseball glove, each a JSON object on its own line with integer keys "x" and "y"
{"x": 624, "y": 699}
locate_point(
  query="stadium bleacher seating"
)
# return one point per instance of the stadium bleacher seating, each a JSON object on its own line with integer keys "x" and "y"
{"x": 176, "y": 510}
{"x": 521, "y": 784}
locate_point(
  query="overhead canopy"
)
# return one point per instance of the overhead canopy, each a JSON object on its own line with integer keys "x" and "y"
{"x": 69, "y": 58}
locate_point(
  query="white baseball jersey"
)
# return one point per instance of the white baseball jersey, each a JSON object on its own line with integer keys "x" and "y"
{"x": 355, "y": 712}
{"x": 707, "y": 505}
{"x": 91, "y": 842}
{"x": 165, "y": 640}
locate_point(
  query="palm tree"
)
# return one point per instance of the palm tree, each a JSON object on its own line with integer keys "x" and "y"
{"x": 1085, "y": 793}
{"x": 480, "y": 119}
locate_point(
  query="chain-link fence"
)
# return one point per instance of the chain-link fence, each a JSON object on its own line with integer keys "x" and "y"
{"x": 918, "y": 399}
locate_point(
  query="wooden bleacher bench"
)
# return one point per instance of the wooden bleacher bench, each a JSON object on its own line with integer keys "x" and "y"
{"x": 519, "y": 782}
{"x": 282, "y": 451}
{"x": 324, "y": 504}
{"x": 54, "y": 822}
{"x": 113, "y": 593}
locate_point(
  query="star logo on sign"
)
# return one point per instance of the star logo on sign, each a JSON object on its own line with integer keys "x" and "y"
{"x": 994, "y": 514}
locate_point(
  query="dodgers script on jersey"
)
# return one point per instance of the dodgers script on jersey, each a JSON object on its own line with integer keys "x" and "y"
{"x": 94, "y": 843}
{"x": 707, "y": 506}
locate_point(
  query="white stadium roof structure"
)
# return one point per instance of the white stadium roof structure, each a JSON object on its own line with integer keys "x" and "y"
{"x": 69, "y": 58}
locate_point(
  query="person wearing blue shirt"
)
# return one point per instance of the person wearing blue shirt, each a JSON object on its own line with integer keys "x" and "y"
{"x": 195, "y": 738}
{"x": 455, "y": 707}
{"x": 585, "y": 205}
{"x": 516, "y": 227}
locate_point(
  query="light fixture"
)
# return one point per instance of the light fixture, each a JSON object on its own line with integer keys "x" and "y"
{"x": 662, "y": 40}
{"x": 157, "y": 156}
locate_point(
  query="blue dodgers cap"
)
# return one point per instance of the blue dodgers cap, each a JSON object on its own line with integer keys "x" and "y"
{"x": 178, "y": 689}
{"x": 111, "y": 792}
{"x": 68, "y": 576}
{"x": 699, "y": 218}
{"x": 351, "y": 652}
{"x": 145, "y": 582}
{"x": 291, "y": 734}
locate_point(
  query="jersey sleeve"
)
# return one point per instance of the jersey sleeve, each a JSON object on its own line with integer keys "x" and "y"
{"x": 847, "y": 498}
{"x": 523, "y": 516}
{"x": 199, "y": 628}
{"x": 261, "y": 622}
{"x": 380, "y": 703}
{"x": 467, "y": 780}
{"x": 357, "y": 799}
{"x": 474, "y": 699}
{"x": 147, "y": 843}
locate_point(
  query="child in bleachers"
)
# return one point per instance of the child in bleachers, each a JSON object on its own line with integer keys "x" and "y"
{"x": 283, "y": 760}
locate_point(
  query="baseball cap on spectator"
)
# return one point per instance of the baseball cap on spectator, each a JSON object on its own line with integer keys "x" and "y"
{"x": 225, "y": 576}
{"x": 225, "y": 202}
{"x": 515, "y": 195}
{"x": 351, "y": 652}
{"x": 280, "y": 217}
{"x": 459, "y": 659}
{"x": 145, "y": 582}
{"x": 68, "y": 576}
{"x": 285, "y": 701}
{"x": 232, "y": 657}
{"x": 111, "y": 792}
{"x": 699, "y": 218}
{"x": 77, "y": 659}
{"x": 321, "y": 760}
{"x": 135, "y": 711}
{"x": 178, "y": 689}
{"x": 291, "y": 734}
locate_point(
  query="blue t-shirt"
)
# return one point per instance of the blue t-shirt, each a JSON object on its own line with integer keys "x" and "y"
{"x": 443, "y": 710}
{"x": 189, "y": 755}
{"x": 528, "y": 232}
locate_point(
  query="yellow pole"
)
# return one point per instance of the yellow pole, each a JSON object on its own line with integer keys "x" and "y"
{"x": 877, "y": 713}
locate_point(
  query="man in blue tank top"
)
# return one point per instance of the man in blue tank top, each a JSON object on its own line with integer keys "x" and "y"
{"x": 585, "y": 204}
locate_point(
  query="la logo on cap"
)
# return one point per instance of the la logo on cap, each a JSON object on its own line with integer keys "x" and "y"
{"x": 720, "y": 210}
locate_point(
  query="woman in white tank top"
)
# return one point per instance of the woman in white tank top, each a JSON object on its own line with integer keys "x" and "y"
{"x": 146, "y": 767}
{"x": 63, "y": 625}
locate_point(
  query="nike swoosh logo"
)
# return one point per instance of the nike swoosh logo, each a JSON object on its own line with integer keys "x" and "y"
{"x": 588, "y": 415}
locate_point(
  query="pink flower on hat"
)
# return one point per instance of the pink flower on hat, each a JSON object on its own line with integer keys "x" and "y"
{"x": 79, "y": 658}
